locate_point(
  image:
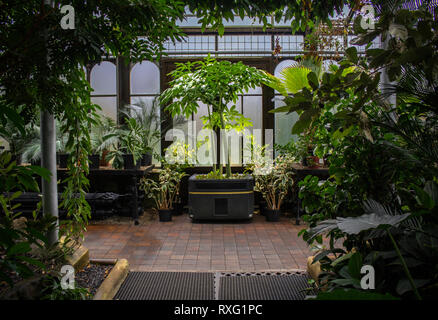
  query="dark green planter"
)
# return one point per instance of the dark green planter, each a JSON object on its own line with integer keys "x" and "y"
{"x": 222, "y": 199}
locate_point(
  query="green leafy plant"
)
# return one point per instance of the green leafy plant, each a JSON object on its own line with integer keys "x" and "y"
{"x": 100, "y": 135}
{"x": 163, "y": 191}
{"x": 149, "y": 122}
{"x": 274, "y": 180}
{"x": 16, "y": 242}
{"x": 217, "y": 84}
{"x": 54, "y": 291}
{"x": 127, "y": 140}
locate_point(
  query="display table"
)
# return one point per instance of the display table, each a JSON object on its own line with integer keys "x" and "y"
{"x": 123, "y": 181}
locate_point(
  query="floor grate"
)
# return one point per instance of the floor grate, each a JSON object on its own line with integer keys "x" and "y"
{"x": 214, "y": 286}
{"x": 271, "y": 286}
{"x": 167, "y": 286}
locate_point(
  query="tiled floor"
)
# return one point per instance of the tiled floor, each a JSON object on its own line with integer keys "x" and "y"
{"x": 181, "y": 245}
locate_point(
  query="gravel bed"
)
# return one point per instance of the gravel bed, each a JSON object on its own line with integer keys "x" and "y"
{"x": 92, "y": 276}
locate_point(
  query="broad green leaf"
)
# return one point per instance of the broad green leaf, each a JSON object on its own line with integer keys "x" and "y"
{"x": 352, "y": 54}
{"x": 355, "y": 225}
{"x": 295, "y": 78}
{"x": 354, "y": 265}
{"x": 19, "y": 248}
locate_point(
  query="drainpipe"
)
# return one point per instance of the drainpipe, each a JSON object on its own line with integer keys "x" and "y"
{"x": 48, "y": 161}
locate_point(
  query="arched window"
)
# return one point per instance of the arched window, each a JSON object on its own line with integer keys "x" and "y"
{"x": 145, "y": 88}
{"x": 103, "y": 79}
{"x": 283, "y": 121}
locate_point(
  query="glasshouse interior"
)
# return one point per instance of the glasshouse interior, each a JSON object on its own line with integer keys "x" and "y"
{"x": 219, "y": 150}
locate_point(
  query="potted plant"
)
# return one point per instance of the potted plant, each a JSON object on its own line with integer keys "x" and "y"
{"x": 17, "y": 140}
{"x": 163, "y": 191}
{"x": 148, "y": 121}
{"x": 31, "y": 151}
{"x": 103, "y": 138}
{"x": 127, "y": 145}
{"x": 274, "y": 181}
{"x": 179, "y": 156}
{"x": 217, "y": 84}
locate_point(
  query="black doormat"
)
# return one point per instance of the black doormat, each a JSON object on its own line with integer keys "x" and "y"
{"x": 264, "y": 287}
{"x": 214, "y": 286}
{"x": 167, "y": 286}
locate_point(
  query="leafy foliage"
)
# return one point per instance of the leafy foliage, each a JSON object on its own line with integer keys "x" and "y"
{"x": 380, "y": 200}
{"x": 16, "y": 242}
{"x": 165, "y": 190}
{"x": 216, "y": 84}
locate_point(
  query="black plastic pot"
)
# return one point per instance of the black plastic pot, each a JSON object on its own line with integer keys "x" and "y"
{"x": 63, "y": 160}
{"x": 146, "y": 159}
{"x": 178, "y": 208}
{"x": 35, "y": 162}
{"x": 128, "y": 162}
{"x": 165, "y": 215}
{"x": 93, "y": 161}
{"x": 272, "y": 215}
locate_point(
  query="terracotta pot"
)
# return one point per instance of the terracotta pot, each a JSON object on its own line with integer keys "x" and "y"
{"x": 103, "y": 162}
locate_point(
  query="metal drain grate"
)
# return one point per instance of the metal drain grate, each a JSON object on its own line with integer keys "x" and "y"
{"x": 214, "y": 286}
{"x": 167, "y": 286}
{"x": 263, "y": 286}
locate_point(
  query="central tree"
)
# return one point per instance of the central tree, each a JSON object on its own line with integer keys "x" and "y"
{"x": 216, "y": 84}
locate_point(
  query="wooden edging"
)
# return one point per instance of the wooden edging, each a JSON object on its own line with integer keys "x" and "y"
{"x": 80, "y": 258}
{"x": 113, "y": 281}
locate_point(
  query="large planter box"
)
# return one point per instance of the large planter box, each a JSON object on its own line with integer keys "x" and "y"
{"x": 225, "y": 199}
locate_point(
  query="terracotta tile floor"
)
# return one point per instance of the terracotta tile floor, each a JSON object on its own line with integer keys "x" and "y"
{"x": 181, "y": 245}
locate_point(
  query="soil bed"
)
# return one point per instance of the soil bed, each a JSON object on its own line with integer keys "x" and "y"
{"x": 92, "y": 276}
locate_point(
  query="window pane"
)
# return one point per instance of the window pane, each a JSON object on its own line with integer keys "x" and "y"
{"x": 150, "y": 110}
{"x": 252, "y": 108}
{"x": 145, "y": 78}
{"x": 283, "y": 124}
{"x": 108, "y": 105}
{"x": 103, "y": 78}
